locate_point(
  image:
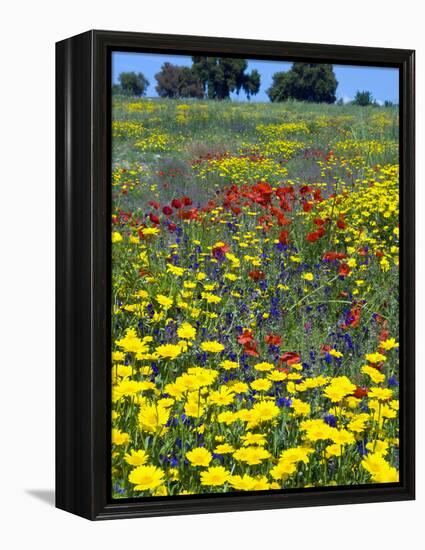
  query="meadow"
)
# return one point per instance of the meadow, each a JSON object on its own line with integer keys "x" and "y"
{"x": 255, "y": 285}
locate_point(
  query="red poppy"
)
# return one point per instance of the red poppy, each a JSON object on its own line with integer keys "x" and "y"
{"x": 175, "y": 203}
{"x": 273, "y": 339}
{"x": 153, "y": 218}
{"x": 284, "y": 204}
{"x": 257, "y": 275}
{"x": 167, "y": 210}
{"x": 283, "y": 237}
{"x": 353, "y": 318}
{"x": 340, "y": 223}
{"x": 263, "y": 187}
{"x": 343, "y": 270}
{"x": 154, "y": 204}
{"x": 305, "y": 189}
{"x": 251, "y": 349}
{"x": 281, "y": 192}
{"x": 191, "y": 214}
{"x": 384, "y": 335}
{"x": 319, "y": 221}
{"x": 290, "y": 358}
{"x": 360, "y": 392}
{"x": 307, "y": 206}
{"x": 219, "y": 252}
{"x": 282, "y": 220}
{"x": 125, "y": 216}
{"x": 330, "y": 256}
{"x": 245, "y": 337}
{"x": 313, "y": 237}
{"x": 186, "y": 201}
{"x": 172, "y": 226}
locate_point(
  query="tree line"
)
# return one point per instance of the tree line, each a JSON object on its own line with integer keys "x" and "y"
{"x": 218, "y": 77}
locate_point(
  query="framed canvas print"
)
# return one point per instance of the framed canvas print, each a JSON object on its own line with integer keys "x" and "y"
{"x": 235, "y": 275}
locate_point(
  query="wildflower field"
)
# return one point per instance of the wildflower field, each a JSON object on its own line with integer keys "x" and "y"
{"x": 255, "y": 296}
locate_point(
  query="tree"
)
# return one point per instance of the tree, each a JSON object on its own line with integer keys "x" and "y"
{"x": 133, "y": 83}
{"x": 251, "y": 83}
{"x": 363, "y": 99}
{"x": 220, "y": 76}
{"x": 313, "y": 82}
{"x": 116, "y": 89}
{"x": 176, "y": 82}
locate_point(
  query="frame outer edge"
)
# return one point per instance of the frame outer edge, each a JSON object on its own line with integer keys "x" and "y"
{"x": 82, "y": 258}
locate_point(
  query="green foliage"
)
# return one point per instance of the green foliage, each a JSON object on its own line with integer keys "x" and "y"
{"x": 312, "y": 82}
{"x": 116, "y": 89}
{"x": 221, "y": 76}
{"x": 133, "y": 83}
{"x": 363, "y": 99}
{"x": 178, "y": 82}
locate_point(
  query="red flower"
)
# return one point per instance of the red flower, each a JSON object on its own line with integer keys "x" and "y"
{"x": 313, "y": 237}
{"x": 305, "y": 189}
{"x": 186, "y": 201}
{"x": 340, "y": 223}
{"x": 245, "y": 337}
{"x": 153, "y": 218}
{"x": 281, "y": 192}
{"x": 219, "y": 252}
{"x": 172, "y": 226}
{"x": 330, "y": 256}
{"x": 283, "y": 237}
{"x": 353, "y": 318}
{"x": 307, "y": 206}
{"x": 263, "y": 187}
{"x": 384, "y": 335}
{"x": 319, "y": 221}
{"x": 191, "y": 214}
{"x": 290, "y": 358}
{"x": 154, "y": 204}
{"x": 343, "y": 270}
{"x": 360, "y": 392}
{"x": 176, "y": 203}
{"x": 251, "y": 349}
{"x": 167, "y": 210}
{"x": 257, "y": 275}
{"x": 284, "y": 204}
{"x": 281, "y": 220}
{"x": 273, "y": 340}
{"x": 283, "y": 369}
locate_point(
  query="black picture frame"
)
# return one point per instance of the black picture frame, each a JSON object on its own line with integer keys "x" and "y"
{"x": 83, "y": 273}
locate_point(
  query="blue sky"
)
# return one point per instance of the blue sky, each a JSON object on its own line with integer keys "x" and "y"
{"x": 381, "y": 81}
